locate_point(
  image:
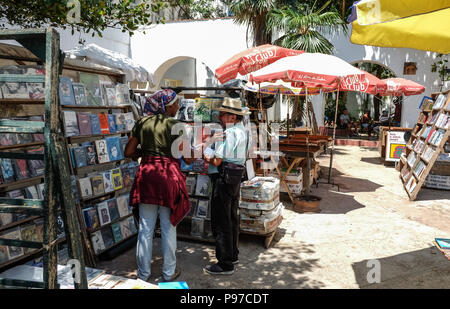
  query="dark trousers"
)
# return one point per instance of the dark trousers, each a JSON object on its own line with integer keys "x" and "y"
{"x": 225, "y": 221}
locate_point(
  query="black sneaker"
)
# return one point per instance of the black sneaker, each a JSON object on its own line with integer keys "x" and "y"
{"x": 215, "y": 269}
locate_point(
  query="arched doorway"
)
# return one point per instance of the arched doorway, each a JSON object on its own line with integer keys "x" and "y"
{"x": 184, "y": 71}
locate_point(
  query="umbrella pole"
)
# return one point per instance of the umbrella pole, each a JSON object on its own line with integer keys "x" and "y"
{"x": 308, "y": 164}
{"x": 334, "y": 137}
{"x": 287, "y": 115}
{"x": 389, "y": 106}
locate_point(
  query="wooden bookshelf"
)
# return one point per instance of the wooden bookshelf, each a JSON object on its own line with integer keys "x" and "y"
{"x": 438, "y": 147}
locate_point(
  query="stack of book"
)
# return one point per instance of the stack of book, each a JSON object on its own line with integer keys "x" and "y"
{"x": 260, "y": 209}
{"x": 90, "y": 91}
{"x": 99, "y": 183}
{"x": 104, "y": 150}
{"x": 86, "y": 124}
{"x": 22, "y": 90}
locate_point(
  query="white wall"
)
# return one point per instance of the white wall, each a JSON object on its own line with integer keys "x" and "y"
{"x": 183, "y": 70}
{"x": 210, "y": 42}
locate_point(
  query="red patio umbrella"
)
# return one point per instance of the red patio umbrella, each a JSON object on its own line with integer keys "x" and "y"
{"x": 401, "y": 86}
{"x": 251, "y": 60}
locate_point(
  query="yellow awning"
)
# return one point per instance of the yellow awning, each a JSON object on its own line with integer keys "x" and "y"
{"x": 418, "y": 24}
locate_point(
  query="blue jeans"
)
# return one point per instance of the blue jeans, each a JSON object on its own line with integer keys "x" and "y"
{"x": 147, "y": 221}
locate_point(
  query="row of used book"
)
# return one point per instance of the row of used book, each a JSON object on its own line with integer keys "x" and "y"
{"x": 432, "y": 136}
{"x": 98, "y": 183}
{"x": 17, "y": 169}
{"x": 441, "y": 120}
{"x": 199, "y": 109}
{"x": 112, "y": 234}
{"x": 31, "y": 231}
{"x": 22, "y": 90}
{"x": 21, "y": 138}
{"x": 105, "y": 212}
{"x": 104, "y": 150}
{"x": 199, "y": 185}
{"x": 85, "y": 124}
{"x": 92, "y": 91}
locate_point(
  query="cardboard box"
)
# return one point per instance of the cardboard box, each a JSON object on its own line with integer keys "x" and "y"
{"x": 260, "y": 189}
{"x": 265, "y": 223}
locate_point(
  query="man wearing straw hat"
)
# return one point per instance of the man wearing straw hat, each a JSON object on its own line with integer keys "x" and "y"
{"x": 229, "y": 156}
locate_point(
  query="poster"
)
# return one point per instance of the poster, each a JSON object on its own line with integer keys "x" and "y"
{"x": 395, "y": 146}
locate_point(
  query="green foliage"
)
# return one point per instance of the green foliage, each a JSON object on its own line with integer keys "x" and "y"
{"x": 95, "y": 15}
{"x": 440, "y": 66}
{"x": 304, "y": 27}
{"x": 253, "y": 14}
{"x": 191, "y": 9}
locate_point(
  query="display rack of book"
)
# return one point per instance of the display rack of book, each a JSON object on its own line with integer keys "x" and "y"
{"x": 37, "y": 217}
{"x": 427, "y": 142}
{"x": 97, "y": 119}
{"x": 20, "y": 178}
{"x": 197, "y": 223}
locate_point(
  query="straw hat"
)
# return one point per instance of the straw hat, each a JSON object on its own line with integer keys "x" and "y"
{"x": 233, "y": 106}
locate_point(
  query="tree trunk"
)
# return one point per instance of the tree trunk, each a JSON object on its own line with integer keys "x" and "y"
{"x": 343, "y": 10}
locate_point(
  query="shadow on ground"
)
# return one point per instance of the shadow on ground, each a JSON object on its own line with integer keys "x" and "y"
{"x": 426, "y": 194}
{"x": 345, "y": 182}
{"x": 280, "y": 266}
{"x": 426, "y": 268}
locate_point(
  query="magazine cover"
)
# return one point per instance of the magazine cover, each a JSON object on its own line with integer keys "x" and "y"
{"x": 97, "y": 242}
{"x": 103, "y": 213}
{"x": 202, "y": 110}
{"x": 95, "y": 124}
{"x": 79, "y": 92}
{"x": 203, "y": 186}
{"x": 117, "y": 179}
{"x": 102, "y": 151}
{"x": 110, "y": 94}
{"x": 125, "y": 229}
{"x": 107, "y": 182}
{"x": 116, "y": 232}
{"x": 97, "y": 185}
{"x": 93, "y": 88}
{"x": 114, "y": 148}
{"x": 122, "y": 205}
{"x": 71, "y": 123}
{"x": 66, "y": 96}
{"x": 36, "y": 91}
{"x": 85, "y": 187}
{"x": 123, "y": 94}
{"x": 113, "y": 211}
{"x": 84, "y": 123}
{"x": 202, "y": 208}
{"x": 107, "y": 235}
{"x": 14, "y": 90}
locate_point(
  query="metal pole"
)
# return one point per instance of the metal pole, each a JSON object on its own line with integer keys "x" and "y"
{"x": 308, "y": 164}
{"x": 334, "y": 136}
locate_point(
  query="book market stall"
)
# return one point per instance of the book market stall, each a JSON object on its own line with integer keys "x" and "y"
{"x": 92, "y": 111}
{"x": 425, "y": 161}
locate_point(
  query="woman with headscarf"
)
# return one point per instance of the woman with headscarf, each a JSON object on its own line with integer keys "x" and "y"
{"x": 159, "y": 185}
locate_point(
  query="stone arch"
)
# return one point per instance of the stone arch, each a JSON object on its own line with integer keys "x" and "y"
{"x": 201, "y": 72}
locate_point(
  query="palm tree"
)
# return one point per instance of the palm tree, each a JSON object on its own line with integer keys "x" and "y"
{"x": 253, "y": 14}
{"x": 303, "y": 27}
